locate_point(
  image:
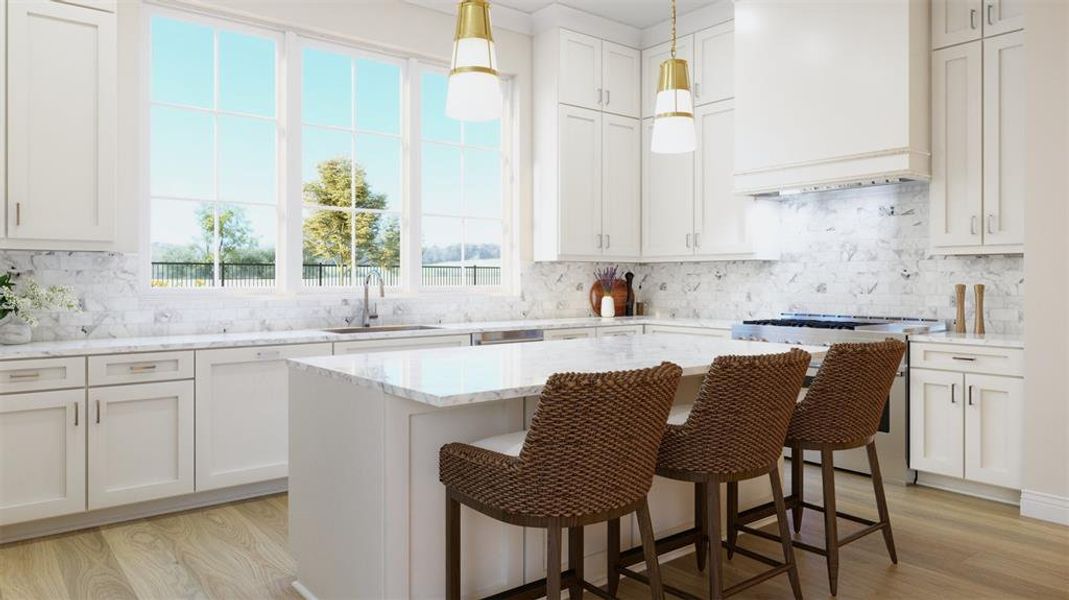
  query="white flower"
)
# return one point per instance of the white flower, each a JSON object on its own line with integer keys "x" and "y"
{"x": 34, "y": 298}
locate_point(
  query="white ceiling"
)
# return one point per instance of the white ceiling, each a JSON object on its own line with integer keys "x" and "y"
{"x": 636, "y": 13}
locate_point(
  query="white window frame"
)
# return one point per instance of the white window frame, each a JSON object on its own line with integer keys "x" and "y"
{"x": 289, "y": 185}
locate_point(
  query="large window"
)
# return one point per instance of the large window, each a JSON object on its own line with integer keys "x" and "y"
{"x": 387, "y": 182}
{"x": 213, "y": 176}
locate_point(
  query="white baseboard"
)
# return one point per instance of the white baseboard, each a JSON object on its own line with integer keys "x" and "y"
{"x": 1045, "y": 507}
{"x": 117, "y": 514}
{"x": 969, "y": 488}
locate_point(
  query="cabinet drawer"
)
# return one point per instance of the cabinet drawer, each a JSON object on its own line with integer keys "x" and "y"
{"x": 968, "y": 359}
{"x": 618, "y": 330}
{"x": 684, "y": 330}
{"x": 42, "y": 374}
{"x": 140, "y": 368}
{"x": 358, "y": 346}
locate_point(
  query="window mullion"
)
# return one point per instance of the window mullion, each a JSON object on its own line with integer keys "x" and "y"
{"x": 292, "y": 215}
{"x": 412, "y": 189}
{"x": 217, "y": 241}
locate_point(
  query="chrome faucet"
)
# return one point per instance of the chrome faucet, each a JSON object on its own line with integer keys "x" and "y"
{"x": 371, "y": 312}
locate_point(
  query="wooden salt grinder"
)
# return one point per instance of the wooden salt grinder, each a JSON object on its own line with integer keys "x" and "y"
{"x": 959, "y": 322}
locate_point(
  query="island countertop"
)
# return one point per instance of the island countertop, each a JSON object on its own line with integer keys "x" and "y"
{"x": 444, "y": 377}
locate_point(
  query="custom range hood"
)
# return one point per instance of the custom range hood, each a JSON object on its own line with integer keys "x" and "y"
{"x": 830, "y": 94}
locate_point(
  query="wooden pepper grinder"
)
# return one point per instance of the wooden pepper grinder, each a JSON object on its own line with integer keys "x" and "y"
{"x": 959, "y": 322}
{"x": 979, "y": 308}
{"x": 629, "y": 305}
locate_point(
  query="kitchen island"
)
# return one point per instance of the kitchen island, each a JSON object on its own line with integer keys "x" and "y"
{"x": 366, "y": 507}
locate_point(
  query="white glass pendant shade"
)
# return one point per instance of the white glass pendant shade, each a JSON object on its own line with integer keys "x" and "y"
{"x": 474, "y": 92}
{"x": 673, "y": 114}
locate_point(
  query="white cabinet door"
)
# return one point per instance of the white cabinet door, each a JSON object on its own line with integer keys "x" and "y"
{"x": 956, "y": 21}
{"x": 42, "y": 455}
{"x": 579, "y": 197}
{"x": 994, "y": 429}
{"x": 651, "y": 64}
{"x": 1005, "y": 146}
{"x": 621, "y": 72}
{"x": 621, "y": 187}
{"x": 620, "y": 330}
{"x": 242, "y": 422}
{"x": 721, "y": 216}
{"x": 936, "y": 427}
{"x": 667, "y": 201}
{"x": 579, "y": 79}
{"x": 60, "y": 122}
{"x": 957, "y": 147}
{"x": 140, "y": 442}
{"x": 387, "y": 345}
{"x": 1003, "y": 16}
{"x": 714, "y": 64}
{"x": 571, "y": 333}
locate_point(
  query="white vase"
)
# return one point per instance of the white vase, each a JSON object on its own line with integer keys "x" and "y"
{"x": 14, "y": 330}
{"x": 608, "y": 307}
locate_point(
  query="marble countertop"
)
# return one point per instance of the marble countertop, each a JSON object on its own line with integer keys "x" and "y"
{"x": 457, "y": 376}
{"x": 307, "y": 336}
{"x": 971, "y": 339}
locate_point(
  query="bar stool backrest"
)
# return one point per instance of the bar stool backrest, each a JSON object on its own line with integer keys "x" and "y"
{"x": 592, "y": 444}
{"x": 739, "y": 420}
{"x": 845, "y": 402}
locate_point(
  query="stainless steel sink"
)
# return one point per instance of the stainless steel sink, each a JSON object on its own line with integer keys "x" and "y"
{"x": 380, "y": 328}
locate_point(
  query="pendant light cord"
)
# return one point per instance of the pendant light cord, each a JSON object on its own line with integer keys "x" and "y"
{"x": 673, "y": 28}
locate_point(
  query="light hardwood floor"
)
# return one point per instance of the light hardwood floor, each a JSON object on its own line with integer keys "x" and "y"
{"x": 950, "y": 547}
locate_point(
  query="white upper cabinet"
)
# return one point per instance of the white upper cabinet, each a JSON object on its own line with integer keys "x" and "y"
{"x": 621, "y": 191}
{"x": 651, "y": 64}
{"x": 714, "y": 64}
{"x": 579, "y": 82}
{"x": 620, "y": 68}
{"x": 1005, "y": 146}
{"x": 579, "y": 194}
{"x": 61, "y": 102}
{"x": 1003, "y": 16}
{"x": 956, "y": 21}
{"x": 957, "y": 159}
{"x": 667, "y": 201}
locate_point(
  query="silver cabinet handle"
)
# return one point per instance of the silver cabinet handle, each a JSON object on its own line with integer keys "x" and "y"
{"x": 953, "y": 386}
{"x": 98, "y": 411}
{"x": 599, "y": 242}
{"x": 697, "y": 89}
{"x": 970, "y": 395}
{"x": 599, "y": 95}
{"x": 18, "y": 213}
{"x": 688, "y": 240}
{"x": 968, "y": 358}
{"x": 608, "y": 238}
{"x": 265, "y": 354}
{"x": 697, "y": 240}
{"x": 77, "y": 409}
{"x": 146, "y": 368}
{"x": 972, "y": 225}
{"x": 608, "y": 97}
{"x": 972, "y": 18}
{"x": 991, "y": 223}
{"x": 990, "y": 13}
{"x": 24, "y": 375}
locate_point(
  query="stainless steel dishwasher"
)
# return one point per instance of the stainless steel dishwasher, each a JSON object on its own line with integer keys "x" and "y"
{"x": 512, "y": 336}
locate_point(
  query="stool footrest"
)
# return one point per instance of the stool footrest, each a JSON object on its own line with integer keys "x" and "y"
{"x": 669, "y": 543}
{"x": 535, "y": 589}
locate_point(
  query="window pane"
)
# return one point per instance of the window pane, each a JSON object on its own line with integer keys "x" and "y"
{"x": 181, "y": 149}
{"x": 246, "y": 74}
{"x": 435, "y": 125}
{"x": 182, "y": 58}
{"x": 326, "y": 166}
{"x": 326, "y": 89}
{"x": 378, "y": 96}
{"x": 182, "y": 236}
{"x": 327, "y": 247}
{"x": 482, "y": 252}
{"x": 247, "y": 237}
{"x": 440, "y": 179}
{"x": 485, "y": 133}
{"x": 441, "y": 250}
{"x": 378, "y": 162}
{"x": 247, "y": 156}
{"x": 378, "y": 245}
{"x": 482, "y": 183}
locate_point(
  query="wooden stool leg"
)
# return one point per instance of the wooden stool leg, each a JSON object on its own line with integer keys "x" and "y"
{"x": 575, "y": 561}
{"x": 733, "y": 516}
{"x": 649, "y": 549}
{"x": 831, "y": 530}
{"x": 452, "y": 548}
{"x": 785, "y": 532}
{"x": 797, "y": 485}
{"x": 712, "y": 524}
{"x": 553, "y": 539}
{"x": 613, "y": 554}
{"x": 701, "y": 544}
{"x": 881, "y": 502}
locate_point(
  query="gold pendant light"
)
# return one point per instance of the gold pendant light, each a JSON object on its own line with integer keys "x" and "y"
{"x": 474, "y": 88}
{"x": 673, "y": 113}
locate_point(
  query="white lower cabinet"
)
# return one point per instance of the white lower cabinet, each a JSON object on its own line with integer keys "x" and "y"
{"x": 619, "y": 330}
{"x": 42, "y": 455}
{"x": 386, "y": 345}
{"x": 140, "y": 442}
{"x": 967, "y": 425}
{"x": 679, "y": 329}
{"x": 570, "y": 333}
{"x": 242, "y": 424}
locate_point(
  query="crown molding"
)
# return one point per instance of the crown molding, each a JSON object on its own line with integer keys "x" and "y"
{"x": 502, "y": 16}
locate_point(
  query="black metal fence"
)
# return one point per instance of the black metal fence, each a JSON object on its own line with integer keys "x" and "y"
{"x": 190, "y": 274}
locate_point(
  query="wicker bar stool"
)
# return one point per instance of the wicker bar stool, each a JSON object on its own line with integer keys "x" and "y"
{"x": 841, "y": 410}
{"x": 734, "y": 431}
{"x": 588, "y": 457}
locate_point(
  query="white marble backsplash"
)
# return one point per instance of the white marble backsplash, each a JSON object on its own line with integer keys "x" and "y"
{"x": 857, "y": 252}
{"x": 849, "y": 252}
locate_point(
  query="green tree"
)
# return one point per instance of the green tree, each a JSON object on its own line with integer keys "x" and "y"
{"x": 238, "y": 242}
{"x": 327, "y": 233}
